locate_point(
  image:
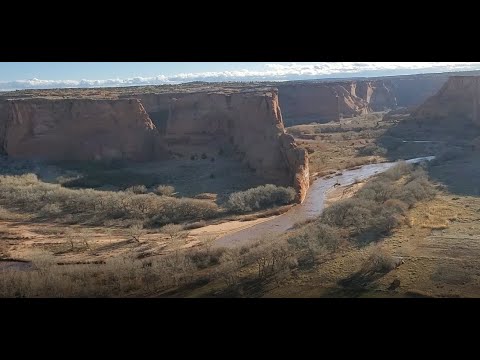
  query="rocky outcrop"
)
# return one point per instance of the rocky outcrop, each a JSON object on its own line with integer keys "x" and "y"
{"x": 79, "y": 129}
{"x": 305, "y": 102}
{"x": 459, "y": 97}
{"x": 325, "y": 101}
{"x": 248, "y": 123}
{"x": 243, "y": 123}
{"x": 413, "y": 90}
{"x": 297, "y": 160}
{"x": 382, "y": 97}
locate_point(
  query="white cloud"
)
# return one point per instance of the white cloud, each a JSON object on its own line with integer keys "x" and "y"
{"x": 270, "y": 72}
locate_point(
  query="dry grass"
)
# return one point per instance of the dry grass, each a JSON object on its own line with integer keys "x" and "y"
{"x": 27, "y": 194}
{"x": 437, "y": 217}
{"x": 260, "y": 197}
{"x": 9, "y": 215}
{"x": 117, "y": 277}
{"x": 380, "y": 260}
{"x": 346, "y": 144}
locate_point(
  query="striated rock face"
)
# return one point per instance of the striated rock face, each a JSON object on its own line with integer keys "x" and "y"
{"x": 326, "y": 101}
{"x": 459, "y": 97}
{"x": 79, "y": 129}
{"x": 249, "y": 123}
{"x": 245, "y": 124}
{"x": 297, "y": 159}
{"x": 413, "y": 90}
{"x": 303, "y": 102}
{"x": 382, "y": 95}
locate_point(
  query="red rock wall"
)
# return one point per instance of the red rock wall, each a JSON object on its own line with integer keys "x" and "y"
{"x": 149, "y": 126}
{"x": 459, "y": 96}
{"x": 251, "y": 122}
{"x": 78, "y": 129}
{"x": 309, "y": 101}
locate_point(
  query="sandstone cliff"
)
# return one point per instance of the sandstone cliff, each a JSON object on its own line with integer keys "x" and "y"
{"x": 297, "y": 160}
{"x": 79, "y": 129}
{"x": 413, "y": 90}
{"x": 326, "y": 101}
{"x": 246, "y": 123}
{"x": 459, "y": 97}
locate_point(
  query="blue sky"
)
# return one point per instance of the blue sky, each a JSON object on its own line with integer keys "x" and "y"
{"x": 32, "y": 75}
{"x": 108, "y": 70}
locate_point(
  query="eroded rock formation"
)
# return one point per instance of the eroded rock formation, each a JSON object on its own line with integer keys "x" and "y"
{"x": 297, "y": 160}
{"x": 459, "y": 97}
{"x": 80, "y": 129}
{"x": 245, "y": 123}
{"x": 326, "y": 101}
{"x": 248, "y": 123}
{"x": 414, "y": 90}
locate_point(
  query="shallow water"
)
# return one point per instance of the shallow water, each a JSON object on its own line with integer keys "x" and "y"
{"x": 312, "y": 206}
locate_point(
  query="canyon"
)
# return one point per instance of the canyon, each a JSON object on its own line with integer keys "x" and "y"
{"x": 458, "y": 98}
{"x": 242, "y": 123}
{"x": 326, "y": 100}
{"x": 147, "y": 194}
{"x": 306, "y": 102}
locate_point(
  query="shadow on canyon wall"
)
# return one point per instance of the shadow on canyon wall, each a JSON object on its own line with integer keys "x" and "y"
{"x": 453, "y": 140}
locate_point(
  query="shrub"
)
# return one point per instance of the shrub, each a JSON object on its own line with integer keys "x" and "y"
{"x": 164, "y": 190}
{"x": 385, "y": 220}
{"x": 400, "y": 169}
{"x": 137, "y": 189}
{"x": 372, "y": 149}
{"x": 397, "y": 205}
{"x": 172, "y": 230}
{"x": 136, "y": 231}
{"x": 327, "y": 235}
{"x": 377, "y": 191}
{"x": 28, "y": 194}
{"x": 195, "y": 225}
{"x": 50, "y": 210}
{"x": 204, "y": 258}
{"x": 230, "y": 264}
{"x": 347, "y": 213}
{"x": 271, "y": 258}
{"x": 379, "y": 261}
{"x": 259, "y": 198}
{"x": 313, "y": 240}
{"x": 416, "y": 190}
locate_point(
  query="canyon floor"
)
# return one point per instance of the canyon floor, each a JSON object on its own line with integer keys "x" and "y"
{"x": 440, "y": 246}
{"x": 329, "y": 153}
{"x": 440, "y": 242}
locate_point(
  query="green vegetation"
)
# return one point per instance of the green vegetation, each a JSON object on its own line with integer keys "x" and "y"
{"x": 260, "y": 197}
{"x": 381, "y": 205}
{"x": 164, "y": 190}
{"x": 27, "y": 194}
{"x": 375, "y": 210}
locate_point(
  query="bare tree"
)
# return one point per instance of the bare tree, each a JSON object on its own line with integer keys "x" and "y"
{"x": 136, "y": 231}
{"x": 172, "y": 230}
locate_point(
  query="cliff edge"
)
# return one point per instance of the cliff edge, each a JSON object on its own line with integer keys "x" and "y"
{"x": 459, "y": 97}
{"x": 245, "y": 123}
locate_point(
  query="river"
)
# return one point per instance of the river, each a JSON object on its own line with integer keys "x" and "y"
{"x": 312, "y": 206}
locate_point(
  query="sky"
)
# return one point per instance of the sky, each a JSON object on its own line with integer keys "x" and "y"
{"x": 45, "y": 75}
